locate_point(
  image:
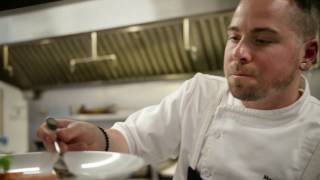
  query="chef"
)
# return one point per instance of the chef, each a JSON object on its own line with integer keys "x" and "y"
{"x": 258, "y": 122}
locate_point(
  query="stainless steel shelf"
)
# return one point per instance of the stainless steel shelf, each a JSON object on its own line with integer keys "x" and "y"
{"x": 120, "y": 115}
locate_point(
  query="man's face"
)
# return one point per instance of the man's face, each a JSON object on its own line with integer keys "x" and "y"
{"x": 262, "y": 53}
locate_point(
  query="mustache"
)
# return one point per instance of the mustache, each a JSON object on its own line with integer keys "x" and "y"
{"x": 237, "y": 68}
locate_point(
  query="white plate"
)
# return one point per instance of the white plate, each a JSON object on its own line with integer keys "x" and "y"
{"x": 85, "y": 164}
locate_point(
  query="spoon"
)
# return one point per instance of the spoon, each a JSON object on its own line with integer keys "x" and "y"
{"x": 59, "y": 167}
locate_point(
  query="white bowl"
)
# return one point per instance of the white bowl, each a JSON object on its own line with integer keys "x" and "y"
{"x": 85, "y": 164}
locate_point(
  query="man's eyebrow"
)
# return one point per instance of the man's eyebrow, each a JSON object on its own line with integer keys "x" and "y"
{"x": 233, "y": 28}
{"x": 254, "y": 31}
{"x": 264, "y": 30}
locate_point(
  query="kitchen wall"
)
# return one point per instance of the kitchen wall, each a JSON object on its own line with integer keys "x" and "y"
{"x": 126, "y": 97}
{"x": 14, "y": 119}
{"x": 314, "y": 78}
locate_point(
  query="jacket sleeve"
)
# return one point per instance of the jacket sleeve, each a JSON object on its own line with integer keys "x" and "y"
{"x": 154, "y": 133}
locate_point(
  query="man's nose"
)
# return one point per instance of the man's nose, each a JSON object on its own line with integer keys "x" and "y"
{"x": 242, "y": 52}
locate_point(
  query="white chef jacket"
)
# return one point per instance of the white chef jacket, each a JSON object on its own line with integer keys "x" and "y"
{"x": 212, "y": 131}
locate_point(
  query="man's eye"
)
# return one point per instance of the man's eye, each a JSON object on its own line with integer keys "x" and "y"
{"x": 262, "y": 41}
{"x": 234, "y": 38}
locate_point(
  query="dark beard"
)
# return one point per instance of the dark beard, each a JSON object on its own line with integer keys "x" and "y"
{"x": 239, "y": 91}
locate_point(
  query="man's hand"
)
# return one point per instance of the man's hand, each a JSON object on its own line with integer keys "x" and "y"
{"x": 73, "y": 136}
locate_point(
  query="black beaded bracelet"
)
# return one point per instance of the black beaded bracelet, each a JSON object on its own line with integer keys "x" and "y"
{"x": 106, "y": 137}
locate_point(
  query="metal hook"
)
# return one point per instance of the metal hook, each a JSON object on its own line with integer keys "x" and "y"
{"x": 6, "y": 65}
{"x": 94, "y": 55}
{"x": 191, "y": 50}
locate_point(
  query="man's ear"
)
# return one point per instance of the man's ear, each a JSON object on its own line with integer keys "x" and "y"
{"x": 310, "y": 55}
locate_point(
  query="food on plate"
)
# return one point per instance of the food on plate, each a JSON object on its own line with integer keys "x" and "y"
{"x": 21, "y": 176}
{"x": 5, "y": 162}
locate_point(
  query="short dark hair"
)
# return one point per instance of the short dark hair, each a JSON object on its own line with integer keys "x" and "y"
{"x": 307, "y": 22}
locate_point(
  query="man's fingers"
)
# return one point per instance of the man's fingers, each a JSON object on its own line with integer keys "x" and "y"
{"x": 77, "y": 147}
{"x": 48, "y": 136}
{"x": 48, "y": 143}
{"x": 72, "y": 132}
{"x": 63, "y": 123}
{"x": 43, "y": 132}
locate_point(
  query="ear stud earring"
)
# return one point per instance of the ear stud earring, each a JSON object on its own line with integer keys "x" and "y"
{"x": 303, "y": 66}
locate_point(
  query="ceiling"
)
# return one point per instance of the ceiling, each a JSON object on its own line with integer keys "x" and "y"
{"x": 14, "y": 4}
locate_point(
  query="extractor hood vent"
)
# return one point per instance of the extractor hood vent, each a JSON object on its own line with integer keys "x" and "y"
{"x": 147, "y": 51}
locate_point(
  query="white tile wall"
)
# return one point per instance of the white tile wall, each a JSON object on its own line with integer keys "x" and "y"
{"x": 15, "y": 117}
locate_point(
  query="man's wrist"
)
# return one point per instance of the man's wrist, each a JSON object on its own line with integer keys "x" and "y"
{"x": 106, "y": 138}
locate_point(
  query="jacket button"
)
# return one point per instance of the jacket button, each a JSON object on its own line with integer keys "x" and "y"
{"x": 206, "y": 173}
{"x": 217, "y": 134}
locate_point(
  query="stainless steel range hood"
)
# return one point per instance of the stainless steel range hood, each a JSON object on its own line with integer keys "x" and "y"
{"x": 65, "y": 18}
{"x": 148, "y": 39}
